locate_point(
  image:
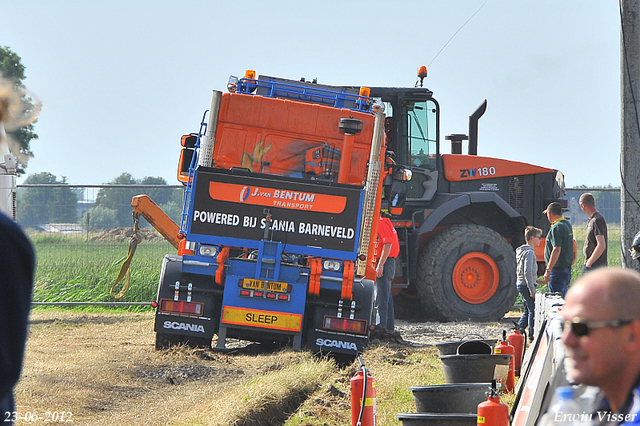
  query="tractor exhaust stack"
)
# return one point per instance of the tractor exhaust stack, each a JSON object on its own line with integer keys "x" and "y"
{"x": 473, "y": 127}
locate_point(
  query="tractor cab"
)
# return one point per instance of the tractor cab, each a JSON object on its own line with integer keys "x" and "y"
{"x": 412, "y": 131}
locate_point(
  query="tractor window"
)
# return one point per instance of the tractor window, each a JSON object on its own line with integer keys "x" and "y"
{"x": 421, "y": 130}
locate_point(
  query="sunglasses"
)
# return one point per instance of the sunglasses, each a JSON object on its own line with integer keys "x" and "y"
{"x": 581, "y": 327}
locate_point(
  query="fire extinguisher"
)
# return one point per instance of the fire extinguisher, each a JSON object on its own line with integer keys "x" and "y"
{"x": 492, "y": 412}
{"x": 503, "y": 347}
{"x": 517, "y": 339}
{"x": 363, "y": 398}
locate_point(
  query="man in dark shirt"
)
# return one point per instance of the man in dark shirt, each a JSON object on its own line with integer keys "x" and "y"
{"x": 17, "y": 263}
{"x": 558, "y": 250}
{"x": 595, "y": 242}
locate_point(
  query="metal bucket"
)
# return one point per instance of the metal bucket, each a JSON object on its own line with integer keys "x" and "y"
{"x": 452, "y": 398}
{"x": 475, "y": 368}
{"x": 442, "y": 419}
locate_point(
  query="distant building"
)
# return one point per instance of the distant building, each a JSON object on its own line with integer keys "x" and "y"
{"x": 607, "y": 203}
{"x": 62, "y": 228}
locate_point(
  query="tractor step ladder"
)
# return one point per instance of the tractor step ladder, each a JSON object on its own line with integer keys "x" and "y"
{"x": 403, "y": 240}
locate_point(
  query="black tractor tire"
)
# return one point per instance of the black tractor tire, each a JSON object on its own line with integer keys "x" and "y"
{"x": 467, "y": 272}
{"x": 406, "y": 306}
{"x": 165, "y": 341}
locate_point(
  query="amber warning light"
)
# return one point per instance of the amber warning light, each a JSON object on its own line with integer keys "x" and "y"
{"x": 422, "y": 74}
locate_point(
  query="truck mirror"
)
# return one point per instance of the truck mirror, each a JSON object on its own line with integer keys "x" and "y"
{"x": 397, "y": 197}
{"x": 401, "y": 173}
{"x": 186, "y": 157}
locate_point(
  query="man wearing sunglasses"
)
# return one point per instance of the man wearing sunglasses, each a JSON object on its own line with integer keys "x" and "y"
{"x": 601, "y": 318}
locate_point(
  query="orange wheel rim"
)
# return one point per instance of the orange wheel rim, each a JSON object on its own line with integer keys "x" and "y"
{"x": 475, "y": 277}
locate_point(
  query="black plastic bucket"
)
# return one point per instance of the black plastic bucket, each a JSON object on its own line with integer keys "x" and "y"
{"x": 451, "y": 348}
{"x": 442, "y": 419}
{"x": 452, "y": 398}
{"x": 475, "y": 368}
{"x": 474, "y": 347}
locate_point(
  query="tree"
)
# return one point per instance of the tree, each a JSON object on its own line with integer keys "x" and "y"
{"x": 159, "y": 195}
{"x": 173, "y": 209}
{"x": 119, "y": 199}
{"x": 37, "y": 206}
{"x": 13, "y": 71}
{"x": 101, "y": 218}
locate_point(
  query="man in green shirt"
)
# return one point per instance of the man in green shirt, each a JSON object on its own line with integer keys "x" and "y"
{"x": 558, "y": 250}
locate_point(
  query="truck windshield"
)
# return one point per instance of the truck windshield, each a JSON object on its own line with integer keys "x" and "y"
{"x": 421, "y": 130}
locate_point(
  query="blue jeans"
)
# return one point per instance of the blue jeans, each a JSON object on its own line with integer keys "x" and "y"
{"x": 384, "y": 298}
{"x": 585, "y": 269}
{"x": 528, "y": 317}
{"x": 559, "y": 280}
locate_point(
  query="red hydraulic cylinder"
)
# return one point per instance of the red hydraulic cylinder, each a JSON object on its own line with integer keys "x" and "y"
{"x": 345, "y": 157}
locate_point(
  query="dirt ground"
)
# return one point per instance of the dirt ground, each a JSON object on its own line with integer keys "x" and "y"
{"x": 102, "y": 368}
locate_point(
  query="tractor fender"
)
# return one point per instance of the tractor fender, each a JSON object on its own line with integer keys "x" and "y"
{"x": 452, "y": 202}
{"x": 446, "y": 204}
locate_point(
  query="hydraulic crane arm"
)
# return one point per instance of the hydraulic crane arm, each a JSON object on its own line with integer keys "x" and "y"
{"x": 144, "y": 206}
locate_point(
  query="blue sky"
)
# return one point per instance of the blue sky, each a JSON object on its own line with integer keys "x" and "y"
{"x": 121, "y": 81}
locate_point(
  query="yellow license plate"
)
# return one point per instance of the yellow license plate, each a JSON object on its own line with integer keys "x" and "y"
{"x": 265, "y": 319}
{"x": 275, "y": 286}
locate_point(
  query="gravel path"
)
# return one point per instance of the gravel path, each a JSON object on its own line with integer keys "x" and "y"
{"x": 429, "y": 333}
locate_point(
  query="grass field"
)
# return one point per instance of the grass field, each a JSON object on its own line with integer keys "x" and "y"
{"x": 74, "y": 268}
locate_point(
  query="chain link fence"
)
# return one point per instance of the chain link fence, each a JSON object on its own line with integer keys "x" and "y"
{"x": 607, "y": 203}
{"x": 81, "y": 235}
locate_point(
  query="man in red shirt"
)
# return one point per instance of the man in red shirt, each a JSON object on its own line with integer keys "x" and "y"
{"x": 386, "y": 271}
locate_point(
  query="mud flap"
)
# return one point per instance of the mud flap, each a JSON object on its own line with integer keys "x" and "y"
{"x": 184, "y": 326}
{"x": 179, "y": 287}
{"x": 325, "y": 341}
{"x": 331, "y": 342}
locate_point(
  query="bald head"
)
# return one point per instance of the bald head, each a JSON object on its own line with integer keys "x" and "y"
{"x": 613, "y": 291}
{"x": 606, "y": 355}
{"x": 587, "y": 199}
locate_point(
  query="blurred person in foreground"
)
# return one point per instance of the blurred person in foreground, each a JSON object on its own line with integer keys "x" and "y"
{"x": 17, "y": 264}
{"x": 601, "y": 318}
{"x": 595, "y": 241}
